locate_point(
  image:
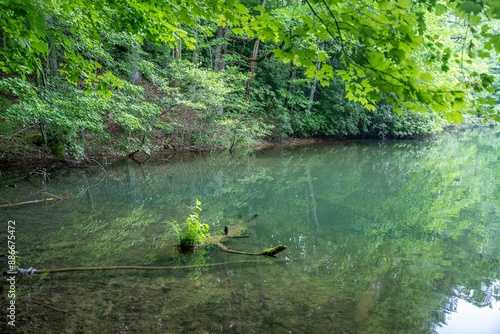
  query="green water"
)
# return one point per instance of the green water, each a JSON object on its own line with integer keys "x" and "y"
{"x": 383, "y": 237}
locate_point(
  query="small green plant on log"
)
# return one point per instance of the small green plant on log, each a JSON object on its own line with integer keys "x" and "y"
{"x": 196, "y": 234}
{"x": 195, "y": 231}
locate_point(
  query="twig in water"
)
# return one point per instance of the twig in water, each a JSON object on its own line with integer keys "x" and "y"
{"x": 33, "y": 271}
{"x": 49, "y": 306}
{"x": 32, "y": 201}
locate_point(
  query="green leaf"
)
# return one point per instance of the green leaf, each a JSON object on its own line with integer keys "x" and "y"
{"x": 241, "y": 9}
{"x": 441, "y": 9}
{"x": 238, "y": 31}
{"x": 483, "y": 54}
{"x": 426, "y": 76}
{"x": 259, "y": 9}
{"x": 267, "y": 34}
{"x": 398, "y": 54}
{"x": 455, "y": 117}
{"x": 385, "y": 5}
{"x": 403, "y": 4}
{"x": 326, "y": 74}
{"x": 475, "y": 19}
{"x": 185, "y": 16}
{"x": 496, "y": 42}
{"x": 40, "y": 46}
{"x": 322, "y": 56}
{"x": 311, "y": 71}
{"x": 470, "y": 7}
{"x": 488, "y": 46}
{"x": 370, "y": 107}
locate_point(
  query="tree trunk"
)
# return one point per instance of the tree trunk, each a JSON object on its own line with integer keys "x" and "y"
{"x": 291, "y": 76}
{"x": 220, "y": 49}
{"x": 312, "y": 89}
{"x": 177, "y": 53}
{"x": 252, "y": 63}
{"x": 52, "y": 66}
{"x": 135, "y": 76}
{"x": 252, "y": 69}
{"x": 44, "y": 134}
{"x": 196, "y": 56}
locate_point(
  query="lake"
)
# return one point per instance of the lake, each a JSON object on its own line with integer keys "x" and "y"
{"x": 382, "y": 237}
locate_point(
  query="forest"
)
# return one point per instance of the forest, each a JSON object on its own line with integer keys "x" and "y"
{"x": 84, "y": 78}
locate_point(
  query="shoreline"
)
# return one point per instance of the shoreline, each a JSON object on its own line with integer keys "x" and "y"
{"x": 38, "y": 160}
{"x": 48, "y": 162}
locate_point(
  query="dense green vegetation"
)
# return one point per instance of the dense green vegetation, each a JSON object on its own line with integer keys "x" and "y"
{"x": 194, "y": 232}
{"x": 81, "y": 78}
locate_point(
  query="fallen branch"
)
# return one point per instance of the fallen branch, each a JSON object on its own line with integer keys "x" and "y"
{"x": 268, "y": 252}
{"x": 49, "y": 306}
{"x": 31, "y": 202}
{"x": 220, "y": 239}
{"x": 33, "y": 271}
{"x": 2, "y": 199}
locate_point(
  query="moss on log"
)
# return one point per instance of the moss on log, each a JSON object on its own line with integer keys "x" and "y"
{"x": 235, "y": 232}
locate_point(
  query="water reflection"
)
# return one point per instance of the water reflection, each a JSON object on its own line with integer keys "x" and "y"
{"x": 379, "y": 236}
{"x": 468, "y": 317}
{"x": 474, "y": 311}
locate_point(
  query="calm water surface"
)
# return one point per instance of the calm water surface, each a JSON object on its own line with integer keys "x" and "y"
{"x": 383, "y": 237}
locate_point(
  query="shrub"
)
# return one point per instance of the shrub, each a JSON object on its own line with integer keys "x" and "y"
{"x": 193, "y": 233}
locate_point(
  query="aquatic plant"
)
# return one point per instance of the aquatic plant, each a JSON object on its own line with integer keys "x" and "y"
{"x": 194, "y": 232}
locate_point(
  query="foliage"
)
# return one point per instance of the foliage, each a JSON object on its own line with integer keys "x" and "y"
{"x": 378, "y": 41}
{"x": 335, "y": 115}
{"x": 23, "y": 30}
{"x": 62, "y": 112}
{"x": 208, "y": 108}
{"x": 69, "y": 115}
{"x": 136, "y": 116}
{"x": 146, "y": 74}
{"x": 194, "y": 232}
{"x": 385, "y": 122}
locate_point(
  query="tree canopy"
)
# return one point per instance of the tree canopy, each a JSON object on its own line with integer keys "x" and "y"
{"x": 416, "y": 56}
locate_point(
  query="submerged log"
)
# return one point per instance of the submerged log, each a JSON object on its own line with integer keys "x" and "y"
{"x": 234, "y": 232}
{"x": 268, "y": 252}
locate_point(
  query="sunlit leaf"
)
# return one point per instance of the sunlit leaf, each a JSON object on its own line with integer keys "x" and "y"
{"x": 470, "y": 7}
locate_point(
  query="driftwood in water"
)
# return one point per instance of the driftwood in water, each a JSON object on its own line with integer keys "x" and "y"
{"x": 220, "y": 239}
{"x": 268, "y": 252}
{"x": 32, "y": 271}
{"x": 32, "y": 201}
{"x": 235, "y": 232}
